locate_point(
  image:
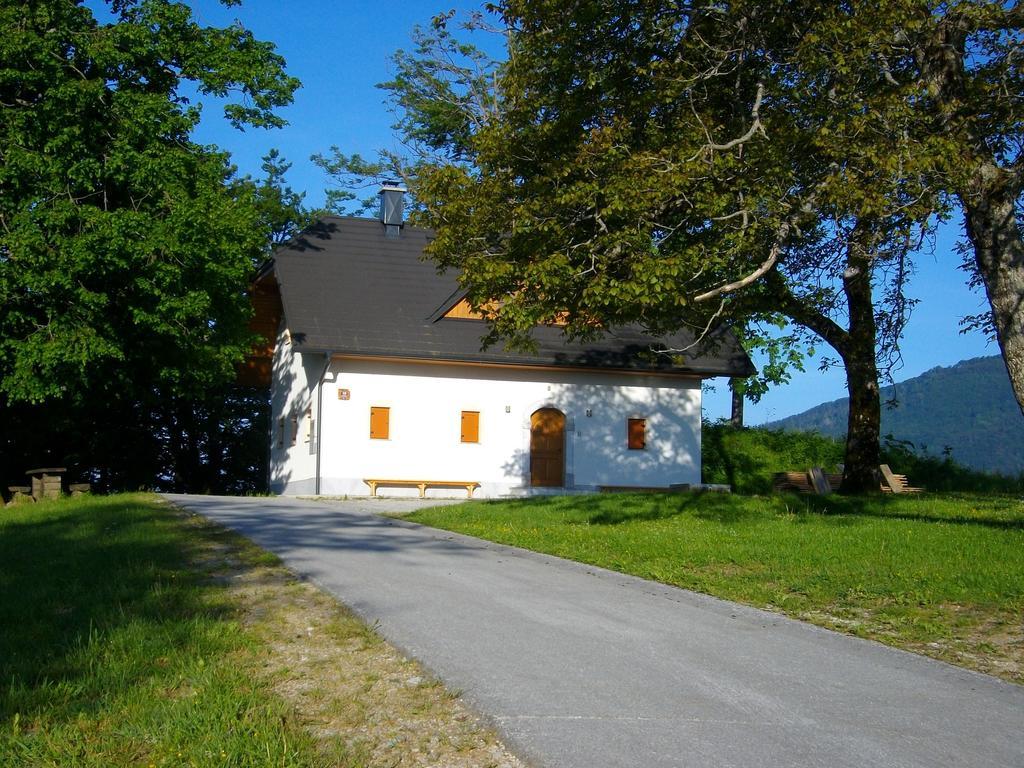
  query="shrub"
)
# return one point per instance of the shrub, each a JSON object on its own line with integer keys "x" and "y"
{"x": 746, "y": 459}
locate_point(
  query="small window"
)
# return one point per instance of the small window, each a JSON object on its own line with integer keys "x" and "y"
{"x": 280, "y": 432}
{"x": 380, "y": 423}
{"x": 471, "y": 426}
{"x": 295, "y": 429}
{"x": 636, "y": 434}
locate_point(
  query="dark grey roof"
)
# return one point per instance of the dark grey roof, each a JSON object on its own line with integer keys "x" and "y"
{"x": 348, "y": 289}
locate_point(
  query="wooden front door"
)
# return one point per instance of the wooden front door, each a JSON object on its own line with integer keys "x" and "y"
{"x": 547, "y": 448}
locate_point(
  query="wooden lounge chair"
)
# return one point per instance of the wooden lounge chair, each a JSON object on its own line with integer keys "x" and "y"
{"x": 893, "y": 483}
{"x": 814, "y": 480}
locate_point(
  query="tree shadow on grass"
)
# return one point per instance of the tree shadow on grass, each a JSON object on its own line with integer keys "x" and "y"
{"x": 632, "y": 508}
{"x": 1004, "y": 513}
{"x": 87, "y": 581}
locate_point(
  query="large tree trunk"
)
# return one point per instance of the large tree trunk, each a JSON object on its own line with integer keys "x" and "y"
{"x": 860, "y": 473}
{"x": 856, "y": 347}
{"x": 991, "y": 222}
{"x": 989, "y": 192}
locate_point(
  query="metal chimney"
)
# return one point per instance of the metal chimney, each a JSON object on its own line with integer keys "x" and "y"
{"x": 391, "y": 198}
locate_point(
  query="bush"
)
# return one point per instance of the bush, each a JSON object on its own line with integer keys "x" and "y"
{"x": 935, "y": 473}
{"x": 746, "y": 459}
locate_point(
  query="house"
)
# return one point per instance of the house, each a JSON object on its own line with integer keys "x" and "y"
{"x": 377, "y": 374}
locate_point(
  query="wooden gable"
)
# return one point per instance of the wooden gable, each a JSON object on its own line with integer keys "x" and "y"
{"x": 462, "y": 310}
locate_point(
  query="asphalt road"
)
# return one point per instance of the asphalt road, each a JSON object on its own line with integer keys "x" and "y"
{"x": 578, "y": 666}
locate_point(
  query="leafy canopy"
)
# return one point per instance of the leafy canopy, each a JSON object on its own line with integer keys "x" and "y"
{"x": 125, "y": 247}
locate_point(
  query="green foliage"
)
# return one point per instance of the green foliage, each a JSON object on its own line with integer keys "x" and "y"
{"x": 942, "y": 575}
{"x": 213, "y": 443}
{"x": 441, "y": 93}
{"x": 941, "y": 474}
{"x": 747, "y": 459}
{"x": 351, "y": 176}
{"x": 124, "y": 246}
{"x": 782, "y": 353}
{"x": 444, "y": 89}
{"x": 280, "y": 207}
{"x": 638, "y": 159}
{"x": 116, "y": 651}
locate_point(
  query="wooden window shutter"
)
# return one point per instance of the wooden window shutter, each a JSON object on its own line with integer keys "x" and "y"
{"x": 380, "y": 423}
{"x": 295, "y": 428}
{"x": 471, "y": 426}
{"x": 636, "y": 434}
{"x": 280, "y": 432}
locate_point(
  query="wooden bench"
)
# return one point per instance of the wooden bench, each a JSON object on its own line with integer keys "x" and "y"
{"x": 77, "y": 489}
{"x": 469, "y": 485}
{"x": 894, "y": 483}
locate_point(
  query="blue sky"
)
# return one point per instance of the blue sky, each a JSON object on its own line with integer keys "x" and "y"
{"x": 341, "y": 50}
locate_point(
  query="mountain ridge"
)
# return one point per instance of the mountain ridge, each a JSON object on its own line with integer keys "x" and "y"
{"x": 967, "y": 409}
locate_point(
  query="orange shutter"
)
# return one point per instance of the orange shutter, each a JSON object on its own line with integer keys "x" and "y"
{"x": 380, "y": 422}
{"x": 636, "y": 433}
{"x": 471, "y": 426}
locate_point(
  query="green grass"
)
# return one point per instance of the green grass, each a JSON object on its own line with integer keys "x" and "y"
{"x": 943, "y": 575}
{"x": 114, "y": 651}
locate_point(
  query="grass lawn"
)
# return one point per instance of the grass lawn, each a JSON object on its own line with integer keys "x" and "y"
{"x": 943, "y": 576}
{"x": 133, "y": 634}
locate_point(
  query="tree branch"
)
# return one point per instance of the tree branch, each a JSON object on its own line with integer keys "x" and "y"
{"x": 755, "y": 128}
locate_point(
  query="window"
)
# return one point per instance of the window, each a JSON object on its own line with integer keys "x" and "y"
{"x": 471, "y": 426}
{"x": 380, "y": 423}
{"x": 280, "y": 432}
{"x": 636, "y": 434}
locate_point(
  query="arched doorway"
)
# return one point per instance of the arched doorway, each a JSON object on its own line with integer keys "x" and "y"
{"x": 547, "y": 448}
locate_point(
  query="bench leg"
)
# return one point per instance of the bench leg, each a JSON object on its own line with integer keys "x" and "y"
{"x": 373, "y": 489}
{"x": 423, "y": 489}
{"x": 469, "y": 491}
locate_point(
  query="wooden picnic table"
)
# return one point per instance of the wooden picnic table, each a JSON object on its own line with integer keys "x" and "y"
{"x": 47, "y": 482}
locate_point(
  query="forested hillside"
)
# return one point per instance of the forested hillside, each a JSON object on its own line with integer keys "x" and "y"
{"x": 967, "y": 408}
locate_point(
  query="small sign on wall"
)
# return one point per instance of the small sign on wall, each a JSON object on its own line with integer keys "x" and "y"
{"x": 344, "y": 394}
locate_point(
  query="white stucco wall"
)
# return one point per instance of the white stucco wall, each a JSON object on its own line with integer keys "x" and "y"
{"x": 293, "y": 467}
{"x": 426, "y": 402}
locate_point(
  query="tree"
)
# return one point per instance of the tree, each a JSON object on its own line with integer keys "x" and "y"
{"x": 673, "y": 164}
{"x": 281, "y": 208}
{"x": 125, "y": 247}
{"x": 963, "y": 64}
